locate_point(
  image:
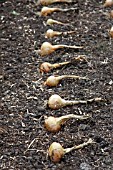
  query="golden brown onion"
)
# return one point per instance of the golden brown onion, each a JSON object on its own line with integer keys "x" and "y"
{"x": 52, "y": 21}
{"x": 47, "y": 48}
{"x": 56, "y": 151}
{"x": 47, "y": 67}
{"x": 53, "y": 124}
{"x": 46, "y": 10}
{"x": 56, "y": 102}
{"x": 48, "y": 2}
{"x": 54, "y": 80}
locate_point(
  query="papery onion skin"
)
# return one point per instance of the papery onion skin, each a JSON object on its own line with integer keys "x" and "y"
{"x": 56, "y": 152}
{"x": 52, "y": 125}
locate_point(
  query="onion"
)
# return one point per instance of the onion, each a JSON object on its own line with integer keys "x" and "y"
{"x": 46, "y": 10}
{"x": 52, "y": 21}
{"x": 47, "y": 48}
{"x": 56, "y": 102}
{"x": 54, "y": 80}
{"x": 56, "y": 151}
{"x": 111, "y": 32}
{"x": 111, "y": 14}
{"x": 48, "y": 2}
{"x": 50, "y": 33}
{"x": 108, "y": 3}
{"x": 46, "y": 67}
{"x": 54, "y": 124}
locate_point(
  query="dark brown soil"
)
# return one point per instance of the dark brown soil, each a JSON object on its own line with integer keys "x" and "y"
{"x": 23, "y": 139}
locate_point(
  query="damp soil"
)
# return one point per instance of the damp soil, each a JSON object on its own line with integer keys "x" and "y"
{"x": 23, "y": 138}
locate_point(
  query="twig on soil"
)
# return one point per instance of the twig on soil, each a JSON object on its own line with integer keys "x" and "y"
{"x": 2, "y": 130}
{"x": 28, "y": 148}
{"x": 32, "y": 97}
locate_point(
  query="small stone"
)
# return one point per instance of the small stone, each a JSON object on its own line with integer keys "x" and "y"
{"x": 83, "y": 127}
{"x": 107, "y": 160}
{"x": 85, "y": 166}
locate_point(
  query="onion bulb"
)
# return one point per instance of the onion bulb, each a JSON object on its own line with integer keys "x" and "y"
{"x": 56, "y": 151}
{"x": 47, "y": 48}
{"x": 53, "y": 124}
{"x": 54, "y": 80}
{"x": 47, "y": 67}
{"x": 46, "y": 10}
{"x": 108, "y": 3}
{"x": 52, "y": 21}
{"x": 50, "y": 33}
{"x": 111, "y": 32}
{"x": 56, "y": 102}
{"x": 48, "y": 2}
{"x": 111, "y": 14}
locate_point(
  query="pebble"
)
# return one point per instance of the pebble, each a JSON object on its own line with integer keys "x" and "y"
{"x": 85, "y": 166}
{"x": 83, "y": 127}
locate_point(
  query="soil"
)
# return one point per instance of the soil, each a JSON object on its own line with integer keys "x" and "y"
{"x": 23, "y": 138}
